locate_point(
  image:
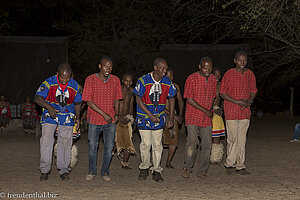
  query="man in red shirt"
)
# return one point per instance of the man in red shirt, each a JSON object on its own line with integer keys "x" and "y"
{"x": 102, "y": 92}
{"x": 200, "y": 91}
{"x": 238, "y": 90}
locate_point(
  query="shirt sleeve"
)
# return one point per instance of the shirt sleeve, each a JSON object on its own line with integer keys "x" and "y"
{"x": 139, "y": 88}
{"x": 172, "y": 91}
{"x": 188, "y": 88}
{"x": 87, "y": 94}
{"x": 118, "y": 94}
{"x": 43, "y": 90}
{"x": 78, "y": 96}
{"x": 253, "y": 83}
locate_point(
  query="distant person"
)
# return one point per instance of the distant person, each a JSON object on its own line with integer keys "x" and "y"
{"x": 5, "y": 114}
{"x": 29, "y": 115}
{"x": 124, "y": 143}
{"x": 218, "y": 129}
{"x": 102, "y": 92}
{"x": 296, "y": 133}
{"x": 170, "y": 136}
{"x": 60, "y": 98}
{"x": 151, "y": 92}
{"x": 238, "y": 89}
{"x": 199, "y": 91}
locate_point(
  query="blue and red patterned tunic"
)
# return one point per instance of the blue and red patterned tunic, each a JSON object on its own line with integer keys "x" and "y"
{"x": 154, "y": 95}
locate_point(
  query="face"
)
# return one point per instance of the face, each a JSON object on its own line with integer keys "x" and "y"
{"x": 170, "y": 75}
{"x": 64, "y": 77}
{"x": 205, "y": 68}
{"x": 127, "y": 81}
{"x": 28, "y": 99}
{"x": 240, "y": 62}
{"x": 217, "y": 74}
{"x": 2, "y": 98}
{"x": 106, "y": 68}
{"x": 161, "y": 69}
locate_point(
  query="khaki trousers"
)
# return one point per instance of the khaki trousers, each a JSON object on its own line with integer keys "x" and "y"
{"x": 236, "y": 142}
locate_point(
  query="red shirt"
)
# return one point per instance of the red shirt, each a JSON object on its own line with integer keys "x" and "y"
{"x": 238, "y": 86}
{"x": 203, "y": 92}
{"x": 103, "y": 94}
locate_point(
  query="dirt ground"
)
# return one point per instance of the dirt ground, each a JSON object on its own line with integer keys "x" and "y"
{"x": 272, "y": 160}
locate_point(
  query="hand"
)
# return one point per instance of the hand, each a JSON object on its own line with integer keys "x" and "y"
{"x": 115, "y": 119}
{"x": 169, "y": 124}
{"x": 52, "y": 111}
{"x": 154, "y": 119}
{"x": 178, "y": 118}
{"x": 107, "y": 118}
{"x": 218, "y": 112}
{"x": 243, "y": 103}
{"x": 123, "y": 120}
{"x": 209, "y": 113}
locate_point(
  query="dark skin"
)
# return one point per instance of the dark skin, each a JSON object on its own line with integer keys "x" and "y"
{"x": 158, "y": 73}
{"x": 240, "y": 62}
{"x": 105, "y": 71}
{"x": 64, "y": 75}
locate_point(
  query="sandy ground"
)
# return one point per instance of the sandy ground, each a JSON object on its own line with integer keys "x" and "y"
{"x": 272, "y": 160}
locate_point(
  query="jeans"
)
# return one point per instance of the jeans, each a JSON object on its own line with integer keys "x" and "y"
{"x": 297, "y": 131}
{"x": 109, "y": 131}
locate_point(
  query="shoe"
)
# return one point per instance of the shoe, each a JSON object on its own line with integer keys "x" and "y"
{"x": 169, "y": 166}
{"x": 157, "y": 177}
{"x": 90, "y": 177}
{"x": 44, "y": 177}
{"x": 125, "y": 167}
{"x": 230, "y": 170}
{"x": 143, "y": 174}
{"x": 65, "y": 177}
{"x": 201, "y": 175}
{"x": 243, "y": 172}
{"x": 186, "y": 172}
{"x": 294, "y": 140}
{"x": 106, "y": 177}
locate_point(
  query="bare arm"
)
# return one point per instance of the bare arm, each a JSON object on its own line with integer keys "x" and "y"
{"x": 77, "y": 113}
{"x": 117, "y": 106}
{"x": 141, "y": 104}
{"x": 180, "y": 100}
{"x": 131, "y": 106}
{"x": 172, "y": 106}
{"x": 232, "y": 100}
{"x": 196, "y": 105}
{"x": 93, "y": 106}
{"x": 41, "y": 101}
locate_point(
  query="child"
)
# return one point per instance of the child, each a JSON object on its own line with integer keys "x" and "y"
{"x": 29, "y": 115}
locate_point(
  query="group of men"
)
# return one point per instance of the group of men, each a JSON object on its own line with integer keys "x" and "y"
{"x": 110, "y": 110}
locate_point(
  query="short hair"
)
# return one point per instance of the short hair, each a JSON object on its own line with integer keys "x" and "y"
{"x": 2, "y": 94}
{"x": 216, "y": 69}
{"x": 159, "y": 60}
{"x": 64, "y": 67}
{"x": 127, "y": 74}
{"x": 238, "y": 53}
{"x": 205, "y": 59}
{"x": 105, "y": 58}
{"x": 170, "y": 69}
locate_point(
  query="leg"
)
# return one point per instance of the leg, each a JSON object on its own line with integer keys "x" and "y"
{"x": 93, "y": 136}
{"x": 241, "y": 140}
{"x": 64, "y": 146}
{"x": 46, "y": 147}
{"x": 231, "y": 126}
{"x": 172, "y": 149}
{"x": 216, "y": 140}
{"x": 297, "y": 132}
{"x": 190, "y": 148}
{"x": 109, "y": 131}
{"x": 206, "y": 142}
{"x": 145, "y": 147}
{"x": 157, "y": 148}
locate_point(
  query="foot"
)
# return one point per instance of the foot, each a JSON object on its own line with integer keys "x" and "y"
{"x": 243, "y": 172}
{"x": 201, "y": 175}
{"x": 44, "y": 177}
{"x": 90, "y": 177}
{"x": 186, "y": 172}
{"x": 157, "y": 177}
{"x": 143, "y": 174}
{"x": 125, "y": 167}
{"x": 230, "y": 170}
{"x": 106, "y": 177}
{"x": 294, "y": 140}
{"x": 169, "y": 166}
{"x": 65, "y": 177}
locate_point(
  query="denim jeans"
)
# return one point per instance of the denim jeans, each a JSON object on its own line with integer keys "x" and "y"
{"x": 297, "y": 131}
{"x": 108, "y": 139}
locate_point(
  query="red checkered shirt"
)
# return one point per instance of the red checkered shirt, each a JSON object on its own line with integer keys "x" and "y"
{"x": 238, "y": 86}
{"x": 103, "y": 94}
{"x": 203, "y": 92}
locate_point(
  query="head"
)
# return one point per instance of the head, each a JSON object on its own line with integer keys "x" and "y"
{"x": 64, "y": 73}
{"x": 28, "y": 99}
{"x": 160, "y": 67}
{"x": 2, "y": 97}
{"x": 127, "y": 80}
{"x": 170, "y": 74}
{"x": 205, "y": 66}
{"x": 105, "y": 66}
{"x": 217, "y": 73}
{"x": 240, "y": 60}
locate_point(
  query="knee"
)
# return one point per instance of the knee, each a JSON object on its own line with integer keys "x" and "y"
{"x": 145, "y": 146}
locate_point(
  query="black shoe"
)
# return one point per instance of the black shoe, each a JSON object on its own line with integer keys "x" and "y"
{"x": 230, "y": 170}
{"x": 125, "y": 167}
{"x": 157, "y": 177}
{"x": 143, "y": 174}
{"x": 243, "y": 172}
{"x": 44, "y": 177}
{"x": 65, "y": 177}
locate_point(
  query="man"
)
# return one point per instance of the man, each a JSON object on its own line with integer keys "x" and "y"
{"x": 199, "y": 91}
{"x": 238, "y": 89}
{"x": 60, "y": 98}
{"x": 102, "y": 92}
{"x": 170, "y": 136}
{"x": 152, "y": 91}
{"x": 124, "y": 144}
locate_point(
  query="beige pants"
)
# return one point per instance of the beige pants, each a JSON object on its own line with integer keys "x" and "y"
{"x": 151, "y": 138}
{"x": 236, "y": 141}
